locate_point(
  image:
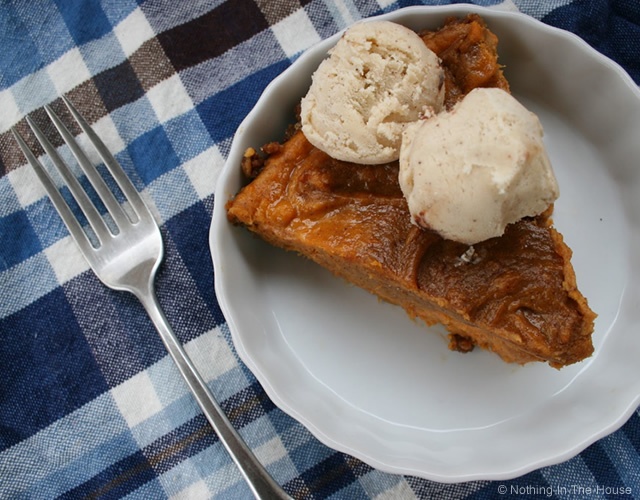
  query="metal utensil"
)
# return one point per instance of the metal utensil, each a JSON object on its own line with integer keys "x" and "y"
{"x": 126, "y": 257}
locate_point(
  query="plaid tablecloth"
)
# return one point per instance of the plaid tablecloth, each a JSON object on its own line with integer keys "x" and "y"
{"x": 90, "y": 404}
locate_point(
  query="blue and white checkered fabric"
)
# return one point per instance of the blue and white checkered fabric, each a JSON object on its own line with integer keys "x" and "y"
{"x": 90, "y": 404}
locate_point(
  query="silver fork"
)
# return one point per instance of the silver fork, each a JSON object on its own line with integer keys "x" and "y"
{"x": 126, "y": 259}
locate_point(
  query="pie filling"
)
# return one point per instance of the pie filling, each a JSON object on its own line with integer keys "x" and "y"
{"x": 515, "y": 295}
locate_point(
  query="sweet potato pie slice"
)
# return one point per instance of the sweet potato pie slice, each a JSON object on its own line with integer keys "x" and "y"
{"x": 515, "y": 295}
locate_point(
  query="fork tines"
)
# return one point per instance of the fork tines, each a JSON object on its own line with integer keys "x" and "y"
{"x": 96, "y": 222}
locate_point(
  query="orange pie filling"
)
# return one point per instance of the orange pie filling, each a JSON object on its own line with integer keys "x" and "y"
{"x": 515, "y": 295}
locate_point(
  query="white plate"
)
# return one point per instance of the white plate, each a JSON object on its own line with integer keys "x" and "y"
{"x": 367, "y": 380}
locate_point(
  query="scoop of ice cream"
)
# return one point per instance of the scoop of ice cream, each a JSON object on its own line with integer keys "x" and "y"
{"x": 469, "y": 172}
{"x": 378, "y": 77}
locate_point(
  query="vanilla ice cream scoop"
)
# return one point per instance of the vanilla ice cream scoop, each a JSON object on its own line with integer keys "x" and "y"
{"x": 379, "y": 77}
{"x": 469, "y": 172}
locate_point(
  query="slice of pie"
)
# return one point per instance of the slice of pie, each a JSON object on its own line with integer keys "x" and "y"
{"x": 515, "y": 295}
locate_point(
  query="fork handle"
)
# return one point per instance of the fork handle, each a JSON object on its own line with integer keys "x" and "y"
{"x": 261, "y": 483}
